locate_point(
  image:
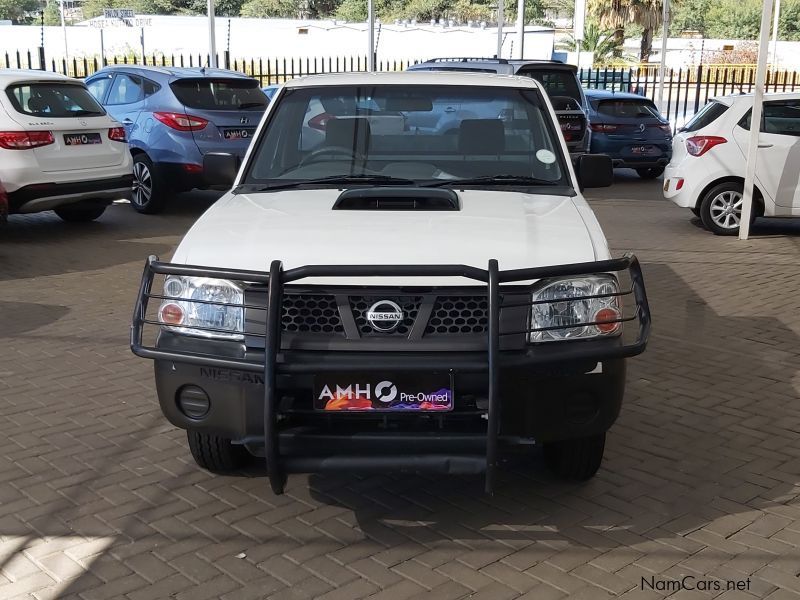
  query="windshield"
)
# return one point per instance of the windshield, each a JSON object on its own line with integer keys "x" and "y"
{"x": 53, "y": 100}
{"x": 626, "y": 109}
{"x": 556, "y": 82}
{"x": 707, "y": 115}
{"x": 434, "y": 134}
{"x": 219, "y": 94}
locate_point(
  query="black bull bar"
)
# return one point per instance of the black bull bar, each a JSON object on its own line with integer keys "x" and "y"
{"x": 275, "y": 363}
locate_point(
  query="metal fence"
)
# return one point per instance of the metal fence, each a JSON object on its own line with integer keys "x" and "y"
{"x": 266, "y": 70}
{"x": 686, "y": 90}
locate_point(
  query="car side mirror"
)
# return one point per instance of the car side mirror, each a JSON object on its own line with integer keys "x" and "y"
{"x": 595, "y": 170}
{"x": 220, "y": 168}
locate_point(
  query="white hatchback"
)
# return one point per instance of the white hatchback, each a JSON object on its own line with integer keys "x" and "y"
{"x": 59, "y": 150}
{"x": 709, "y": 157}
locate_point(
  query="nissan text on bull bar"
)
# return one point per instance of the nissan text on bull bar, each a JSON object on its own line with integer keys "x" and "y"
{"x": 376, "y": 293}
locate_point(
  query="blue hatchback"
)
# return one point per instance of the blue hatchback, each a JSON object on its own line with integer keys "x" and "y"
{"x": 174, "y": 116}
{"x": 630, "y": 130}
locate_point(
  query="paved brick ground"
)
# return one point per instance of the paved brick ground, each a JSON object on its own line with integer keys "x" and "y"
{"x": 99, "y": 498}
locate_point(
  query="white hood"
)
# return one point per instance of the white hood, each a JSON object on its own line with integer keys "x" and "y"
{"x": 299, "y": 228}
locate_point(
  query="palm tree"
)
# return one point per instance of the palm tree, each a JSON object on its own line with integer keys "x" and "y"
{"x": 613, "y": 15}
{"x": 601, "y": 43}
{"x": 616, "y": 14}
{"x": 647, "y": 14}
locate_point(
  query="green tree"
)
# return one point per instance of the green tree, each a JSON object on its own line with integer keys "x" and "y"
{"x": 789, "y": 25}
{"x": 226, "y": 8}
{"x": 52, "y": 13}
{"x": 15, "y": 10}
{"x": 734, "y": 19}
{"x": 271, "y": 8}
{"x": 690, "y": 15}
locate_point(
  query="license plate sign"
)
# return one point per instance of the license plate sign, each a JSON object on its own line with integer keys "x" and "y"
{"x": 370, "y": 392}
{"x": 82, "y": 139}
{"x": 644, "y": 150}
{"x": 243, "y": 133}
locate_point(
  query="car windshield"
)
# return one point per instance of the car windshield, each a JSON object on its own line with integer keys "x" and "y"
{"x": 626, "y": 109}
{"x": 556, "y": 82}
{"x": 53, "y": 100}
{"x": 220, "y": 94}
{"x": 409, "y": 134}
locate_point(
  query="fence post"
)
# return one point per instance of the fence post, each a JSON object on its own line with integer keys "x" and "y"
{"x": 697, "y": 90}
{"x": 42, "y": 60}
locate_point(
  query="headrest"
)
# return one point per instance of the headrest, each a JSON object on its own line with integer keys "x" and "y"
{"x": 348, "y": 133}
{"x": 481, "y": 136}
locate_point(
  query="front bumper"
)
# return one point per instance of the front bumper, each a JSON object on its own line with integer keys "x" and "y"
{"x": 549, "y": 391}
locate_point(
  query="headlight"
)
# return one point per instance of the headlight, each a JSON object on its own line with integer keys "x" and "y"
{"x": 199, "y": 304}
{"x": 559, "y": 304}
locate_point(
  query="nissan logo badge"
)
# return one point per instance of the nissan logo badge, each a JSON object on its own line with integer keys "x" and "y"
{"x": 385, "y": 316}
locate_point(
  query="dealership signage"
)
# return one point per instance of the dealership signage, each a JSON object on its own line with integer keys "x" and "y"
{"x": 120, "y": 17}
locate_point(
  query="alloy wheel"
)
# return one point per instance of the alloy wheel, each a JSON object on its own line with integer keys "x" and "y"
{"x": 726, "y": 209}
{"x": 142, "y": 184}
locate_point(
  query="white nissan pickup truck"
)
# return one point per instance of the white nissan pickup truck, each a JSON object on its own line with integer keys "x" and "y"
{"x": 380, "y": 291}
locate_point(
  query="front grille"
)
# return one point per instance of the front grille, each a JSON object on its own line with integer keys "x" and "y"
{"x": 311, "y": 313}
{"x": 361, "y": 304}
{"x": 459, "y": 314}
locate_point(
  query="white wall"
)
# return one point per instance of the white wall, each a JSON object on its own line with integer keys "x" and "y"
{"x": 254, "y": 38}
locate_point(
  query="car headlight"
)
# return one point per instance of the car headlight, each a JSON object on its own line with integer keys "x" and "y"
{"x": 204, "y": 307}
{"x": 562, "y": 308}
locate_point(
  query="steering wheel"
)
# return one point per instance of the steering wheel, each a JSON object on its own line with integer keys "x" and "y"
{"x": 336, "y": 150}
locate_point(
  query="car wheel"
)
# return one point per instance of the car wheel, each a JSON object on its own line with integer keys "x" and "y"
{"x": 80, "y": 215}
{"x": 695, "y": 211}
{"x": 215, "y": 453}
{"x": 148, "y": 195}
{"x": 577, "y": 459}
{"x": 721, "y": 209}
{"x": 650, "y": 173}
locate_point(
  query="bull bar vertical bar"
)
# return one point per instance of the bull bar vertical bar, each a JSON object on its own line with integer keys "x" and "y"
{"x": 275, "y": 472}
{"x": 492, "y": 430}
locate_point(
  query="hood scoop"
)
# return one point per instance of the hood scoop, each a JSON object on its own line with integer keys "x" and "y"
{"x": 394, "y": 198}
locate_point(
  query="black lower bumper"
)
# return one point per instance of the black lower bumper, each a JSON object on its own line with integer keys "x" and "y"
{"x": 543, "y": 404}
{"x": 45, "y": 196}
{"x": 261, "y": 398}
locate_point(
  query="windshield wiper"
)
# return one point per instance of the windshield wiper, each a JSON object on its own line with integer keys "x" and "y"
{"x": 333, "y": 179}
{"x": 251, "y": 105}
{"x": 495, "y": 180}
{"x": 85, "y": 113}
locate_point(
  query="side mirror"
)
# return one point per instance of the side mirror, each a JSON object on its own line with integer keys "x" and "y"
{"x": 595, "y": 170}
{"x": 220, "y": 168}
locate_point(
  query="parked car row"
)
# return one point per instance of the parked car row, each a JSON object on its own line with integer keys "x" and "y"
{"x": 59, "y": 149}
{"x": 127, "y": 132}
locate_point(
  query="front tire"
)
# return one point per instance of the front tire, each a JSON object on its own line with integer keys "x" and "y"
{"x": 721, "y": 208}
{"x": 650, "y": 173}
{"x": 149, "y": 191}
{"x": 577, "y": 459}
{"x": 79, "y": 215}
{"x": 215, "y": 453}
